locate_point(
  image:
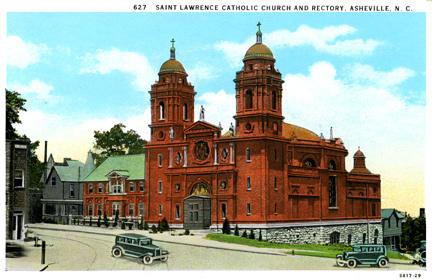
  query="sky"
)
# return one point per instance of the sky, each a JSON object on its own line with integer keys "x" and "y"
{"x": 363, "y": 74}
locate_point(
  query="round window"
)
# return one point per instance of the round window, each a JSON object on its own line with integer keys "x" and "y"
{"x": 202, "y": 150}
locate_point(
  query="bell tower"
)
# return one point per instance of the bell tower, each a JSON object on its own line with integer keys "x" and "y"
{"x": 172, "y": 100}
{"x": 259, "y": 93}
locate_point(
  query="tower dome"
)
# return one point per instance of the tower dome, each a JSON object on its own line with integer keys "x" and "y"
{"x": 259, "y": 49}
{"x": 172, "y": 65}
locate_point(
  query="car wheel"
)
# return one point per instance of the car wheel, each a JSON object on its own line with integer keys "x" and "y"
{"x": 164, "y": 258}
{"x": 382, "y": 262}
{"x": 352, "y": 263}
{"x": 147, "y": 259}
{"x": 117, "y": 252}
{"x": 338, "y": 261}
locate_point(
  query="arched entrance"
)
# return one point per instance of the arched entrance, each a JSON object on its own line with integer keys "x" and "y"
{"x": 197, "y": 208}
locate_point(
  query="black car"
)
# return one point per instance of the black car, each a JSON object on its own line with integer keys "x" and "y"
{"x": 138, "y": 246}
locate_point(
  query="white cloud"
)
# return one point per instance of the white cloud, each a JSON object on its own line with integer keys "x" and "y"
{"x": 35, "y": 89}
{"x": 202, "y": 71}
{"x": 365, "y": 73}
{"x": 21, "y": 54}
{"x": 323, "y": 40}
{"x": 107, "y": 61}
{"x": 219, "y": 107}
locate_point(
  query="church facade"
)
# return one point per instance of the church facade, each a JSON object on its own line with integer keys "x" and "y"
{"x": 263, "y": 175}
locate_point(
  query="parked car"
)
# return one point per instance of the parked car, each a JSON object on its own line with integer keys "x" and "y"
{"x": 138, "y": 246}
{"x": 420, "y": 256}
{"x": 364, "y": 254}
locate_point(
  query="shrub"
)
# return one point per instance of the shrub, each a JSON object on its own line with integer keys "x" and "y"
{"x": 99, "y": 221}
{"x": 251, "y": 235}
{"x": 106, "y": 220}
{"x": 154, "y": 229}
{"x": 141, "y": 224}
{"x": 236, "y": 231}
{"x": 84, "y": 222}
{"x": 116, "y": 219}
{"x": 244, "y": 234}
{"x": 74, "y": 221}
{"x": 260, "y": 236}
{"x": 123, "y": 226}
{"x": 164, "y": 226}
{"x": 130, "y": 226}
{"x": 146, "y": 226}
{"x": 91, "y": 221}
{"x": 187, "y": 232}
{"x": 226, "y": 229}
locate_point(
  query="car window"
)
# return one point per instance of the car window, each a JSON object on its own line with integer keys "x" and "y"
{"x": 144, "y": 242}
{"x": 134, "y": 242}
{"x": 128, "y": 240}
{"x": 120, "y": 239}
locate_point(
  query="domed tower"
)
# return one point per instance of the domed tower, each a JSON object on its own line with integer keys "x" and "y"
{"x": 172, "y": 101}
{"x": 259, "y": 93}
{"x": 360, "y": 163}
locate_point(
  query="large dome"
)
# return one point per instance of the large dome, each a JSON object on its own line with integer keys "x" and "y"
{"x": 259, "y": 50}
{"x": 172, "y": 65}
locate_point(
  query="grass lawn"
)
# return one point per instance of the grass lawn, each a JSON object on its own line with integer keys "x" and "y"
{"x": 317, "y": 250}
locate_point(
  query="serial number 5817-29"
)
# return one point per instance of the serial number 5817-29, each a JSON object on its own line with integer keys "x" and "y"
{"x": 139, "y": 7}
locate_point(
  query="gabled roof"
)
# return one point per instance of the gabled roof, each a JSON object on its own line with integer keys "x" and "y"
{"x": 202, "y": 125}
{"x": 132, "y": 165}
{"x": 387, "y": 212}
{"x": 72, "y": 170}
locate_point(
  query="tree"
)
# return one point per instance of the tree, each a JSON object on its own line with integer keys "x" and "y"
{"x": 236, "y": 230}
{"x": 413, "y": 232}
{"x": 99, "y": 221}
{"x": 117, "y": 142}
{"x": 226, "y": 229}
{"x": 14, "y": 104}
{"x": 252, "y": 235}
{"x": 106, "y": 220}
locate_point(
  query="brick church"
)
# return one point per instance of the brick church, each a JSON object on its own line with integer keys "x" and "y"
{"x": 263, "y": 174}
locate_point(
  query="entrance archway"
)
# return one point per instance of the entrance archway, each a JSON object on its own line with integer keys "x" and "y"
{"x": 197, "y": 208}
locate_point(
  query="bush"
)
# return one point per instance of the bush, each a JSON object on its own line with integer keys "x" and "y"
{"x": 251, "y": 235}
{"x": 244, "y": 234}
{"x": 130, "y": 226}
{"x": 91, "y": 221}
{"x": 146, "y": 226}
{"x": 84, "y": 222}
{"x": 226, "y": 229}
{"x": 236, "y": 231}
{"x": 116, "y": 219}
{"x": 187, "y": 232}
{"x": 141, "y": 224}
{"x": 260, "y": 236}
{"x": 99, "y": 221}
{"x": 163, "y": 226}
{"x": 154, "y": 229}
{"x": 123, "y": 226}
{"x": 106, "y": 220}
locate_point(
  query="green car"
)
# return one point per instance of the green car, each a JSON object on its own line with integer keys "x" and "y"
{"x": 364, "y": 254}
{"x": 138, "y": 246}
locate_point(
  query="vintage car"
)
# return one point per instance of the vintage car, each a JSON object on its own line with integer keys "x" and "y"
{"x": 420, "y": 255}
{"x": 365, "y": 254}
{"x": 138, "y": 246}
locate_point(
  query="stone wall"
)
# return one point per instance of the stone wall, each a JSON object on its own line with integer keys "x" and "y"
{"x": 348, "y": 233}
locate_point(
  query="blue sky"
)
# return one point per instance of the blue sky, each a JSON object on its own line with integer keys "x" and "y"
{"x": 364, "y": 74}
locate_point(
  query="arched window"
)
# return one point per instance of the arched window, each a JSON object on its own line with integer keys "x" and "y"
{"x": 248, "y": 99}
{"x": 162, "y": 110}
{"x": 224, "y": 210}
{"x": 309, "y": 162}
{"x": 332, "y": 165}
{"x": 334, "y": 238}
{"x": 185, "y": 112}
{"x": 274, "y": 100}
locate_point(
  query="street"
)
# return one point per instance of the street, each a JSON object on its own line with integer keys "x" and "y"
{"x": 91, "y": 250}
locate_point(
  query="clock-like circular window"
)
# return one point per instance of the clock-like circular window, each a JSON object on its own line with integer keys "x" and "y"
{"x": 202, "y": 150}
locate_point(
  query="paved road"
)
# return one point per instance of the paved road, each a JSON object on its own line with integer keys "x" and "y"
{"x": 71, "y": 250}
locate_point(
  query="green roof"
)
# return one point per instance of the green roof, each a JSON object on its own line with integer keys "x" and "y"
{"x": 129, "y": 165}
{"x": 387, "y": 212}
{"x": 73, "y": 171}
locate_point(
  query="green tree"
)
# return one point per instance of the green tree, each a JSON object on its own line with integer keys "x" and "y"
{"x": 413, "y": 232}
{"x": 226, "y": 229}
{"x": 106, "y": 220}
{"x": 14, "y": 104}
{"x": 117, "y": 142}
{"x": 236, "y": 230}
